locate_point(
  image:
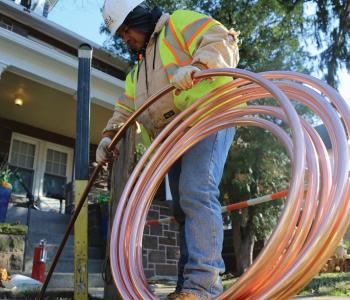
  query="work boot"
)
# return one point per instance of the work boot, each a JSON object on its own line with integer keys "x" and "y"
{"x": 182, "y": 296}
{"x": 172, "y": 296}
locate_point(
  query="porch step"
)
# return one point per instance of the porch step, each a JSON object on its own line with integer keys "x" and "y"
{"x": 67, "y": 265}
{"x": 51, "y": 239}
{"x": 17, "y": 215}
{"x": 48, "y": 223}
{"x": 68, "y": 251}
{"x": 51, "y": 226}
{"x": 94, "y": 292}
{"x": 41, "y": 223}
{"x": 65, "y": 281}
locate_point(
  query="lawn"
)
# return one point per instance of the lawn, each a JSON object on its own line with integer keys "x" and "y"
{"x": 326, "y": 284}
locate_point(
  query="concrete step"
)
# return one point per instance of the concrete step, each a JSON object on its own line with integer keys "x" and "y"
{"x": 41, "y": 222}
{"x": 65, "y": 281}
{"x": 94, "y": 292}
{"x": 65, "y": 265}
{"x": 17, "y": 215}
{"x": 68, "y": 251}
{"x": 55, "y": 240}
{"x": 51, "y": 238}
{"x": 45, "y": 223}
{"x": 161, "y": 291}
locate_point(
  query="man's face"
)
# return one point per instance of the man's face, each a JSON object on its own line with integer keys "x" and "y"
{"x": 134, "y": 38}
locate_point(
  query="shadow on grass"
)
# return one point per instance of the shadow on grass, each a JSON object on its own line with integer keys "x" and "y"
{"x": 328, "y": 284}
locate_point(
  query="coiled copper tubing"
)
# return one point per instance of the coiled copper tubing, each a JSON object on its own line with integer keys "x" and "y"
{"x": 314, "y": 219}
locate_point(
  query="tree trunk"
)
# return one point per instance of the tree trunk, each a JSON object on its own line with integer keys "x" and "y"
{"x": 243, "y": 244}
{"x": 121, "y": 170}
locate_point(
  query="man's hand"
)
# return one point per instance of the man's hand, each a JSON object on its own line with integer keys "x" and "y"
{"x": 102, "y": 153}
{"x": 182, "y": 80}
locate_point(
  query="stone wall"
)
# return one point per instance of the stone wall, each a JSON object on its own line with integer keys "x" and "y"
{"x": 12, "y": 245}
{"x": 160, "y": 244}
{"x": 336, "y": 265}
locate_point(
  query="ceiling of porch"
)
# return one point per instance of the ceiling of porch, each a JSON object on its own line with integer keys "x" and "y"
{"x": 45, "y": 107}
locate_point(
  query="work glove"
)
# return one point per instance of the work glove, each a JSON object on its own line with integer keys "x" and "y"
{"x": 102, "y": 154}
{"x": 182, "y": 79}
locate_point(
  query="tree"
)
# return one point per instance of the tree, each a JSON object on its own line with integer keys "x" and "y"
{"x": 254, "y": 168}
{"x": 270, "y": 30}
{"x": 331, "y": 32}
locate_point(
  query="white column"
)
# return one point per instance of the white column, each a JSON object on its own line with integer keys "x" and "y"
{"x": 3, "y": 68}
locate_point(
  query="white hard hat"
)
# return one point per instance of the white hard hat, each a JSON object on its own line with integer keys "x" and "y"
{"x": 114, "y": 12}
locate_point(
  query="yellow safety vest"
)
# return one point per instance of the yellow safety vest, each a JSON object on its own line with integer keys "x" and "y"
{"x": 177, "y": 44}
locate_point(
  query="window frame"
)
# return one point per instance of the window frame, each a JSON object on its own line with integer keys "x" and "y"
{"x": 39, "y": 165}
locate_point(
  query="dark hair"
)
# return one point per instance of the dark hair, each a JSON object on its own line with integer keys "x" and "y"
{"x": 143, "y": 18}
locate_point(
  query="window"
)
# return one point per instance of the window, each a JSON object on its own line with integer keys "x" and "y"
{"x": 55, "y": 174}
{"x": 44, "y": 167}
{"x": 22, "y": 160}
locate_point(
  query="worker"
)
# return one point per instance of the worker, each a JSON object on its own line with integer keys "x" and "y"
{"x": 171, "y": 49}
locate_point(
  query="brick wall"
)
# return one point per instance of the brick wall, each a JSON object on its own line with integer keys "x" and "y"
{"x": 160, "y": 244}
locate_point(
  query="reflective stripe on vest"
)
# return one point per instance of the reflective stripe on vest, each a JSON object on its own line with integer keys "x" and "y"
{"x": 178, "y": 40}
{"x": 126, "y": 102}
{"x": 173, "y": 47}
{"x": 193, "y": 32}
{"x": 178, "y": 43}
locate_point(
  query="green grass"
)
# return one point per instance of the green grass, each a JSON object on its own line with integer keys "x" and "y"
{"x": 326, "y": 284}
{"x": 227, "y": 283}
{"x": 346, "y": 244}
{"x": 6, "y": 228}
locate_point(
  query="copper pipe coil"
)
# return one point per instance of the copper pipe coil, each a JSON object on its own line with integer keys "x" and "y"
{"x": 172, "y": 139}
{"x": 310, "y": 226}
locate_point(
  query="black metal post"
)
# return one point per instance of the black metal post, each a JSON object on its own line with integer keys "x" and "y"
{"x": 82, "y": 149}
{"x": 82, "y": 141}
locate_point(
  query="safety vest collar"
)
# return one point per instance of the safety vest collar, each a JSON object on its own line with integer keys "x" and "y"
{"x": 178, "y": 38}
{"x": 159, "y": 26}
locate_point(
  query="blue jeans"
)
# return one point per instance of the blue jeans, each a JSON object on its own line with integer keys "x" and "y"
{"x": 194, "y": 181}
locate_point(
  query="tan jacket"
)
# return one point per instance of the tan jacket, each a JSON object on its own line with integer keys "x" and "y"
{"x": 217, "y": 48}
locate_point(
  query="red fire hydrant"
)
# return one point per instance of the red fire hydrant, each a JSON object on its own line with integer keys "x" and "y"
{"x": 39, "y": 261}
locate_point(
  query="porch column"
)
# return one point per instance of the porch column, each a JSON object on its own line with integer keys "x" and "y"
{"x": 82, "y": 146}
{"x": 3, "y": 68}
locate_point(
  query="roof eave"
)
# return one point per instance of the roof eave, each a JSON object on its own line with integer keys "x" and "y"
{"x": 57, "y": 32}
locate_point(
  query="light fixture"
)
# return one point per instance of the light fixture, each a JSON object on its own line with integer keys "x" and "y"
{"x": 18, "y": 101}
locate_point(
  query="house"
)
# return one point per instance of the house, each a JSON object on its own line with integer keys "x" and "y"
{"x": 38, "y": 88}
{"x": 38, "y": 84}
